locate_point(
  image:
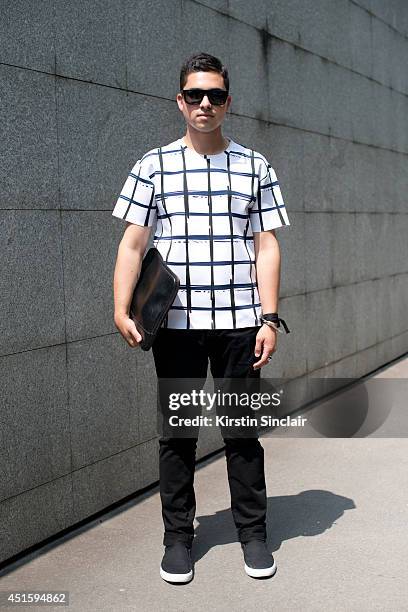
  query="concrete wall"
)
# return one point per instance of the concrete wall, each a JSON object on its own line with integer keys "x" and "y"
{"x": 319, "y": 86}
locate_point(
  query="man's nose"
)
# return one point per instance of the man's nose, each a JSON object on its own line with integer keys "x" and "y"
{"x": 205, "y": 101}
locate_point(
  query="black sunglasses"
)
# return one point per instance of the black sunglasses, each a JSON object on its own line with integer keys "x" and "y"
{"x": 215, "y": 96}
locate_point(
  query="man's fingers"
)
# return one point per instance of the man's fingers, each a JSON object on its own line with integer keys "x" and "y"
{"x": 267, "y": 350}
{"x": 134, "y": 337}
{"x": 258, "y": 347}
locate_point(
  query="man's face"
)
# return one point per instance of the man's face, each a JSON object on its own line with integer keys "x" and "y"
{"x": 194, "y": 114}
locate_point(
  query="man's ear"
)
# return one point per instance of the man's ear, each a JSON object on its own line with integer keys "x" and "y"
{"x": 179, "y": 100}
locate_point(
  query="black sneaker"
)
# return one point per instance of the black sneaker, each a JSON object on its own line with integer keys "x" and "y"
{"x": 176, "y": 565}
{"x": 258, "y": 561}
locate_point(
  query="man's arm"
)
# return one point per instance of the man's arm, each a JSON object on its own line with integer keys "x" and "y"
{"x": 268, "y": 260}
{"x": 127, "y": 270}
{"x": 267, "y": 263}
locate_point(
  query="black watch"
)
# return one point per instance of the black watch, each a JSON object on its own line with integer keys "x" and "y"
{"x": 271, "y": 316}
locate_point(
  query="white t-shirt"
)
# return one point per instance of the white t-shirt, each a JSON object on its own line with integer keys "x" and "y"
{"x": 207, "y": 208}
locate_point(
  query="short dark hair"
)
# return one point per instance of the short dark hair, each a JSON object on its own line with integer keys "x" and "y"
{"x": 203, "y": 62}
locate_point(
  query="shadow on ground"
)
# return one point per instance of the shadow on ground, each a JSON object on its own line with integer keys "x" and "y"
{"x": 309, "y": 513}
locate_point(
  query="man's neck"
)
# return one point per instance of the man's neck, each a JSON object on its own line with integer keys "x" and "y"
{"x": 206, "y": 143}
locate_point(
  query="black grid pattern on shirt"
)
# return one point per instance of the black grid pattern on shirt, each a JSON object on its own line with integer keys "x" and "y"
{"x": 164, "y": 175}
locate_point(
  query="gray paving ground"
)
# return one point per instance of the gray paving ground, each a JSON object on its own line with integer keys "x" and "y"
{"x": 338, "y": 511}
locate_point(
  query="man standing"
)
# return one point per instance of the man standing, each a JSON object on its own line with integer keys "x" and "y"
{"x": 216, "y": 203}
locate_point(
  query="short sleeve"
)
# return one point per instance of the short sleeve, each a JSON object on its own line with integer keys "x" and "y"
{"x": 268, "y": 211}
{"x": 136, "y": 202}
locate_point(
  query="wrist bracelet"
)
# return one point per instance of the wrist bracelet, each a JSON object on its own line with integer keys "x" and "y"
{"x": 273, "y": 320}
{"x": 270, "y": 324}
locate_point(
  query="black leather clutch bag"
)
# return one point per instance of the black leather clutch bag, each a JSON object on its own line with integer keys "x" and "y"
{"x": 154, "y": 293}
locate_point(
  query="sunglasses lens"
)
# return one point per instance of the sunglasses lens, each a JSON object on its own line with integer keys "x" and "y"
{"x": 193, "y": 96}
{"x": 218, "y": 96}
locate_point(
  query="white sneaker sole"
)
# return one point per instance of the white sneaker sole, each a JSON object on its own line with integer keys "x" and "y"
{"x": 260, "y": 573}
{"x": 176, "y": 577}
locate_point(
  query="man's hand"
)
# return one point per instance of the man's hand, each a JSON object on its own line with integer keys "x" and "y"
{"x": 128, "y": 329}
{"x": 265, "y": 345}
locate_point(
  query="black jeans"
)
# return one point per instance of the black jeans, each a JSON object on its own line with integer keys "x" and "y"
{"x": 181, "y": 353}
